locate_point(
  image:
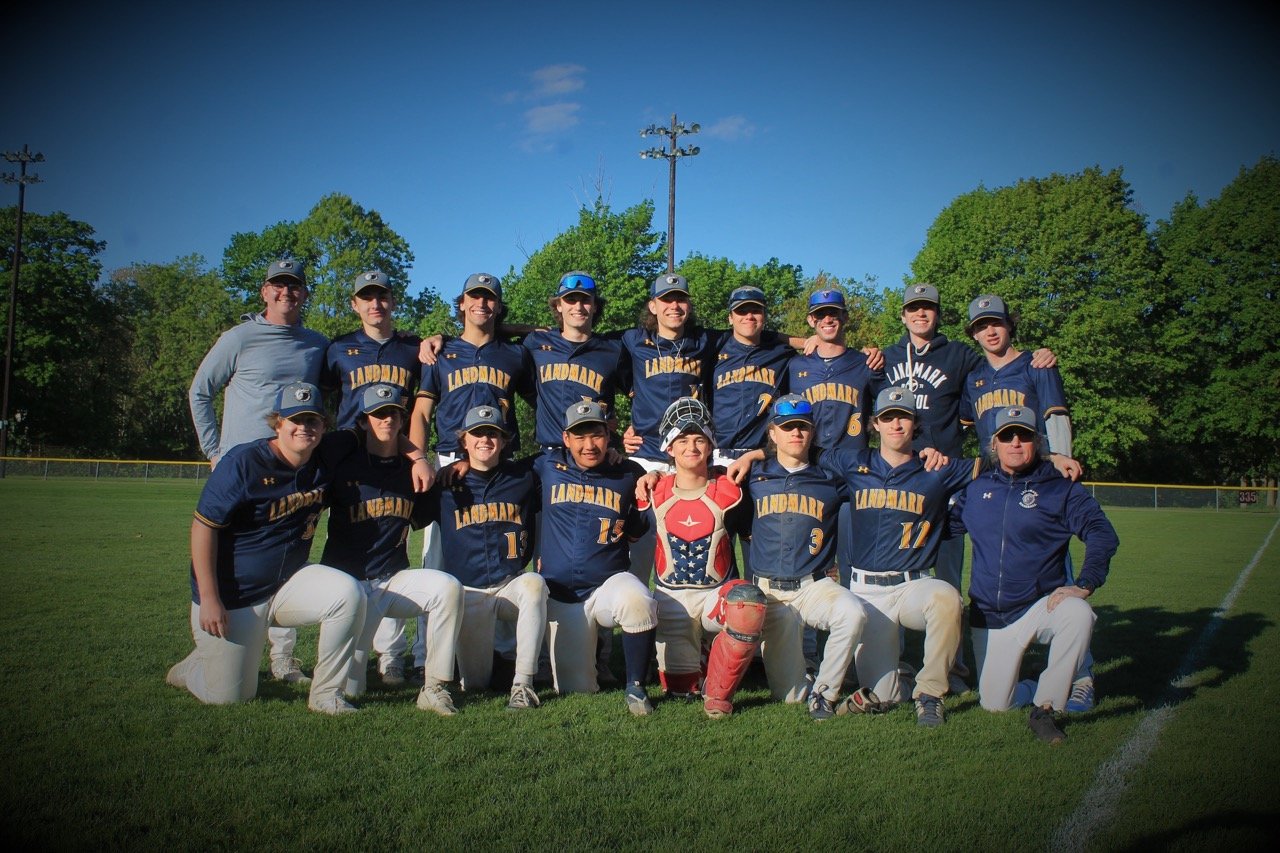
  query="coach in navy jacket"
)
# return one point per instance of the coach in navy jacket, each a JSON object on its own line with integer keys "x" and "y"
{"x": 1020, "y": 517}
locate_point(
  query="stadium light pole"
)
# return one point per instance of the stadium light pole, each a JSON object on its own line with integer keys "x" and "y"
{"x": 672, "y": 154}
{"x": 22, "y": 158}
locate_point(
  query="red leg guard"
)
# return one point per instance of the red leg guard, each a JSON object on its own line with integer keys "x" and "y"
{"x": 680, "y": 683}
{"x": 743, "y": 607}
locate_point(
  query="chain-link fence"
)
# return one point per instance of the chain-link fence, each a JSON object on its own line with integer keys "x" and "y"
{"x": 1158, "y": 496}
{"x": 120, "y": 469}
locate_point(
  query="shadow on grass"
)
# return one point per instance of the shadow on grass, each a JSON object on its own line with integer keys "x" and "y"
{"x": 1261, "y": 824}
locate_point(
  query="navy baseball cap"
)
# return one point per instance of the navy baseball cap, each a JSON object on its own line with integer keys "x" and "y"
{"x": 381, "y": 396}
{"x": 584, "y": 412}
{"x": 791, "y": 408}
{"x": 986, "y": 305}
{"x": 286, "y": 268}
{"x": 746, "y": 296}
{"x": 826, "y": 299}
{"x": 920, "y": 293}
{"x": 896, "y": 399}
{"x": 1015, "y": 416}
{"x": 299, "y": 398}
{"x": 578, "y": 282}
{"x": 483, "y": 281}
{"x": 668, "y": 282}
{"x": 485, "y": 416}
{"x": 372, "y": 278}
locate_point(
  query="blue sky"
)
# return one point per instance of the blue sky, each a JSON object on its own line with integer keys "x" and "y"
{"x": 832, "y": 133}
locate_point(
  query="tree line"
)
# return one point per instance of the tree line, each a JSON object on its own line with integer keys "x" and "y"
{"x": 1166, "y": 335}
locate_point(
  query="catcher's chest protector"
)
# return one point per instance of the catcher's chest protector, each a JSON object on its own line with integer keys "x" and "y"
{"x": 693, "y": 549}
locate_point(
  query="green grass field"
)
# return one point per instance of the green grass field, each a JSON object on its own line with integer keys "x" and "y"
{"x": 101, "y": 753}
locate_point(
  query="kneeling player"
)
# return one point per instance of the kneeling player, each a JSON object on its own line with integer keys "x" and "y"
{"x": 372, "y": 507}
{"x": 695, "y": 516}
{"x": 793, "y": 542}
{"x": 588, "y": 516}
{"x": 485, "y": 521}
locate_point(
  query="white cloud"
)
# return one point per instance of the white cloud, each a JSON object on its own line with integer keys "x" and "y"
{"x": 553, "y": 81}
{"x": 552, "y": 118}
{"x": 731, "y": 129}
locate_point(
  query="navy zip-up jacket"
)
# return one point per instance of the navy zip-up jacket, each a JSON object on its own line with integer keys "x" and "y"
{"x": 1020, "y": 526}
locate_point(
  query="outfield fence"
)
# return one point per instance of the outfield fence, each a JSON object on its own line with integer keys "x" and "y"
{"x": 1149, "y": 495}
{"x": 94, "y": 469}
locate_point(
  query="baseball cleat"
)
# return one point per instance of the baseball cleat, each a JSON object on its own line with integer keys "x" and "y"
{"x": 333, "y": 706}
{"x": 434, "y": 697}
{"x": 820, "y": 708}
{"x": 288, "y": 671}
{"x": 1045, "y": 726}
{"x": 717, "y": 709}
{"x": 177, "y": 674}
{"x": 638, "y": 701}
{"x": 522, "y": 697}
{"x": 1082, "y": 697}
{"x": 929, "y": 711}
{"x": 391, "y": 668}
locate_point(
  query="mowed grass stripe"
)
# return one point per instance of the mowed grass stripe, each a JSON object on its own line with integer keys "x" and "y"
{"x": 107, "y": 755}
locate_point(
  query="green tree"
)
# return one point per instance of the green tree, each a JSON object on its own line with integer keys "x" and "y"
{"x": 65, "y": 342}
{"x": 712, "y": 280}
{"x": 1072, "y": 257}
{"x": 170, "y": 315}
{"x": 864, "y": 303}
{"x": 1216, "y": 321}
{"x": 621, "y": 251}
{"x": 337, "y": 240}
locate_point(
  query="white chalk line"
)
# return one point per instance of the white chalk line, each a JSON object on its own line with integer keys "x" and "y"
{"x": 1113, "y": 776}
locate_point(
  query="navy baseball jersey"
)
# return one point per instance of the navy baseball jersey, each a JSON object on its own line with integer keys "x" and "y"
{"x": 465, "y": 376}
{"x": 793, "y": 520}
{"x": 744, "y": 383}
{"x": 568, "y": 372}
{"x": 1020, "y": 527}
{"x": 936, "y": 374}
{"x": 896, "y": 515}
{"x": 589, "y": 519}
{"x": 1017, "y": 383}
{"x": 841, "y": 391}
{"x": 264, "y": 514}
{"x": 356, "y": 360}
{"x": 663, "y": 371}
{"x": 371, "y": 508}
{"x": 486, "y": 522}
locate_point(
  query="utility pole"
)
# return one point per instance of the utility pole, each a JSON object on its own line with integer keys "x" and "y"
{"x": 672, "y": 133}
{"x": 22, "y": 158}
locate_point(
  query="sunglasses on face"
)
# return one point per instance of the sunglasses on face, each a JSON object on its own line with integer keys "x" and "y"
{"x": 576, "y": 298}
{"x": 1026, "y": 436}
{"x": 744, "y": 310}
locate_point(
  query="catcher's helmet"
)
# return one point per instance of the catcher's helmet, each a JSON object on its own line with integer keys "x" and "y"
{"x": 688, "y": 414}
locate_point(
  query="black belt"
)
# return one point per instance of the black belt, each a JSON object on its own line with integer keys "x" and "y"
{"x": 888, "y": 578}
{"x": 786, "y": 584}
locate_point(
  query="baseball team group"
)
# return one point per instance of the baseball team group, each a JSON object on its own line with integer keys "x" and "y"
{"x": 741, "y": 442}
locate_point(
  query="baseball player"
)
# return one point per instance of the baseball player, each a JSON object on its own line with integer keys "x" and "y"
{"x": 588, "y": 516}
{"x": 697, "y": 591}
{"x": 474, "y": 369}
{"x": 1007, "y": 378}
{"x": 936, "y": 370}
{"x": 793, "y": 543}
{"x": 1021, "y": 516}
{"x": 251, "y": 363}
{"x": 898, "y": 512}
{"x": 374, "y": 354}
{"x": 249, "y": 545}
{"x": 486, "y": 521}
{"x": 372, "y": 506}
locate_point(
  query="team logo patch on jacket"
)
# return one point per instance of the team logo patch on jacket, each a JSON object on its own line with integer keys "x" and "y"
{"x": 1028, "y": 499}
